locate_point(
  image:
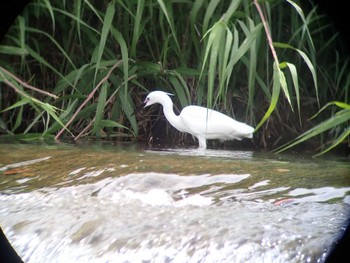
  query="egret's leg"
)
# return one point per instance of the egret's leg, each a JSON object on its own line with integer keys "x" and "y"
{"x": 202, "y": 142}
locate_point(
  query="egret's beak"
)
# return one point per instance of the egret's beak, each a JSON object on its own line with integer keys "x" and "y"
{"x": 145, "y": 102}
{"x": 141, "y": 106}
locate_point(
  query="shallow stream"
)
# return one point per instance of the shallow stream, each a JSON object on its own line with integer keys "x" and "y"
{"x": 127, "y": 203}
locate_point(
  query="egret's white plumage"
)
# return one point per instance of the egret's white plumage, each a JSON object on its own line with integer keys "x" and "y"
{"x": 201, "y": 122}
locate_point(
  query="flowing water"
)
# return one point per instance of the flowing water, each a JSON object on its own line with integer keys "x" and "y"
{"x": 126, "y": 203}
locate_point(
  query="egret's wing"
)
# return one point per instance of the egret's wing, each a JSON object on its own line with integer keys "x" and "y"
{"x": 212, "y": 124}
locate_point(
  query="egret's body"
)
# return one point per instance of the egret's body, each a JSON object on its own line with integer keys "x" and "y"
{"x": 201, "y": 122}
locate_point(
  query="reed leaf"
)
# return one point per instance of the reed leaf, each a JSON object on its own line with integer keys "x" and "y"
{"x": 138, "y": 27}
{"x": 294, "y": 74}
{"x": 166, "y": 8}
{"x": 100, "y": 109}
{"x": 306, "y": 60}
{"x": 180, "y": 90}
{"x": 302, "y": 16}
{"x": 128, "y": 108}
{"x": 107, "y": 23}
{"x": 209, "y": 14}
{"x": 342, "y": 137}
{"x": 61, "y": 49}
{"x": 51, "y": 12}
{"x": 11, "y": 50}
{"x": 112, "y": 124}
{"x": 19, "y": 103}
{"x": 276, "y": 88}
{"x": 125, "y": 57}
{"x": 39, "y": 58}
{"x": 339, "y": 118}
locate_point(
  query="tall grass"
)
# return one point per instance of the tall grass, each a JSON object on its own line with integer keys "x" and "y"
{"x": 256, "y": 61}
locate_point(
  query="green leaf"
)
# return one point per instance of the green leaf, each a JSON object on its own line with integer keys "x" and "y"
{"x": 49, "y": 8}
{"x": 137, "y": 26}
{"x": 11, "y": 50}
{"x": 128, "y": 108}
{"x": 339, "y": 118}
{"x": 112, "y": 124}
{"x": 209, "y": 14}
{"x": 28, "y": 136}
{"x": 19, "y": 103}
{"x": 294, "y": 74}
{"x": 19, "y": 119}
{"x": 307, "y": 61}
{"x": 180, "y": 90}
{"x": 61, "y": 49}
{"x": 107, "y": 23}
{"x": 276, "y": 88}
{"x": 125, "y": 57}
{"x": 47, "y": 64}
{"x": 100, "y": 109}
{"x": 166, "y": 8}
{"x": 340, "y": 104}
{"x": 336, "y": 142}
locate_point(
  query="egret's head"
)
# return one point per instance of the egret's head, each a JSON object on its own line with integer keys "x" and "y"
{"x": 156, "y": 97}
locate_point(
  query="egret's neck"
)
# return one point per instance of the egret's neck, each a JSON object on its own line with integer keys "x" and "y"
{"x": 170, "y": 115}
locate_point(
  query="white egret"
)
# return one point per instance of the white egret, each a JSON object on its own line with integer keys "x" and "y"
{"x": 203, "y": 123}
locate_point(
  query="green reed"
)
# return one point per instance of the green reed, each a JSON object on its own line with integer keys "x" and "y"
{"x": 267, "y": 63}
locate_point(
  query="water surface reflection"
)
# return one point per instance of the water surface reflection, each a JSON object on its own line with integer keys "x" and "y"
{"x": 80, "y": 204}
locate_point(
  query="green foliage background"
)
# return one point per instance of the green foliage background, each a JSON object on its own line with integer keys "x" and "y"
{"x": 80, "y": 68}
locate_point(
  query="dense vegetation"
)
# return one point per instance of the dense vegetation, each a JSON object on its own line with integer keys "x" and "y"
{"x": 80, "y": 69}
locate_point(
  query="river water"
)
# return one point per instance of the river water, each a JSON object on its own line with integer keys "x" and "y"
{"x": 128, "y": 203}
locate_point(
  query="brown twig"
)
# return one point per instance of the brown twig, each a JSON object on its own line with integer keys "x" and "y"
{"x": 267, "y": 31}
{"x": 10, "y": 84}
{"x": 26, "y": 85}
{"x": 87, "y": 127}
{"x": 106, "y": 103}
{"x": 91, "y": 95}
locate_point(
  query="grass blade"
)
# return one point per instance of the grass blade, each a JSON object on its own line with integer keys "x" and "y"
{"x": 137, "y": 27}
{"x": 336, "y": 142}
{"x": 276, "y": 88}
{"x": 166, "y": 8}
{"x": 339, "y": 118}
{"x": 100, "y": 109}
{"x": 107, "y": 23}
